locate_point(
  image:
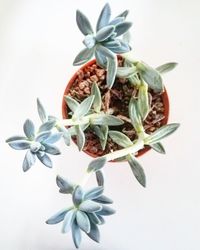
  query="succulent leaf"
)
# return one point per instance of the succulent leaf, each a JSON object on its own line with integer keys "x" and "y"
{"x": 83, "y": 221}
{"x": 97, "y": 97}
{"x": 44, "y": 158}
{"x": 83, "y": 56}
{"x": 16, "y": 138}
{"x": 76, "y": 234}
{"x": 135, "y": 116}
{"x": 94, "y": 218}
{"x": 104, "y": 33}
{"x": 66, "y": 134}
{"x": 80, "y": 137}
{"x": 89, "y": 41}
{"x": 58, "y": 217}
{"x": 117, "y": 20}
{"x": 77, "y": 195}
{"x": 43, "y": 136}
{"x": 143, "y": 100}
{"x": 29, "y": 161}
{"x": 101, "y": 59}
{"x": 53, "y": 138}
{"x": 71, "y": 103}
{"x": 105, "y": 52}
{"x": 90, "y": 206}
{"x": 123, "y": 48}
{"x": 106, "y": 211}
{"x": 94, "y": 233}
{"x": 66, "y": 186}
{"x": 111, "y": 72}
{"x": 41, "y": 111}
{"x": 103, "y": 199}
{"x": 120, "y": 138}
{"x": 19, "y": 144}
{"x": 68, "y": 220}
{"x": 104, "y": 17}
{"x": 51, "y": 149}
{"x": 122, "y": 28}
{"x": 126, "y": 72}
{"x": 93, "y": 193}
{"x": 47, "y": 126}
{"x": 166, "y": 67}
{"x": 83, "y": 23}
{"x": 29, "y": 129}
{"x": 99, "y": 178}
{"x": 124, "y": 14}
{"x": 84, "y": 107}
{"x": 96, "y": 164}
{"x": 107, "y": 120}
{"x": 158, "y": 147}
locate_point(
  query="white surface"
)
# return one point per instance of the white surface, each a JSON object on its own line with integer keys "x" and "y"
{"x": 38, "y": 42}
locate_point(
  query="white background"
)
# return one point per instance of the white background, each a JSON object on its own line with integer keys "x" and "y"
{"x": 38, "y": 42}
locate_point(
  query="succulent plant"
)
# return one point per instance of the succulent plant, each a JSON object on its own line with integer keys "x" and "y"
{"x": 105, "y": 44}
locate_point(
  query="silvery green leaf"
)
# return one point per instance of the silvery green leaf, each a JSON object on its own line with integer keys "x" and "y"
{"x": 58, "y": 217}
{"x": 123, "y": 48}
{"x": 150, "y": 76}
{"x": 83, "y": 23}
{"x": 90, "y": 206}
{"x": 83, "y": 221}
{"x": 71, "y": 103}
{"x": 29, "y": 161}
{"x": 53, "y": 138}
{"x": 103, "y": 199}
{"x": 29, "y": 129}
{"x": 166, "y": 67}
{"x": 117, "y": 20}
{"x": 135, "y": 116}
{"x": 19, "y": 145}
{"x": 106, "y": 211}
{"x": 94, "y": 218}
{"x": 158, "y": 147}
{"x": 66, "y": 134}
{"x": 102, "y": 133}
{"x": 97, "y": 97}
{"x": 83, "y": 56}
{"x": 68, "y": 220}
{"x": 111, "y": 72}
{"x": 143, "y": 100}
{"x": 105, "y": 52}
{"x": 44, "y": 158}
{"x": 16, "y": 138}
{"x": 104, "y": 33}
{"x": 161, "y": 133}
{"x": 124, "y": 14}
{"x": 99, "y": 178}
{"x": 96, "y": 164}
{"x": 104, "y": 17}
{"x": 77, "y": 195}
{"x": 123, "y": 158}
{"x": 137, "y": 170}
{"x": 112, "y": 44}
{"x": 41, "y": 111}
{"x": 76, "y": 234}
{"x": 120, "y": 138}
{"x": 47, "y": 126}
{"x": 101, "y": 59}
{"x": 94, "y": 233}
{"x": 51, "y": 149}
{"x": 122, "y": 28}
{"x": 84, "y": 107}
{"x": 93, "y": 193}
{"x": 72, "y": 130}
{"x": 66, "y": 186}
{"x": 36, "y": 146}
{"x": 125, "y": 72}
{"x": 42, "y": 136}
{"x": 107, "y": 120}
{"x": 102, "y": 221}
{"x": 80, "y": 137}
{"x": 89, "y": 41}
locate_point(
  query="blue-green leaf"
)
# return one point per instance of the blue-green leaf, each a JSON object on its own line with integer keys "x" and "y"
{"x": 94, "y": 218}
{"x": 94, "y": 233}
{"x": 96, "y": 164}
{"x": 42, "y": 136}
{"x": 19, "y": 144}
{"x": 77, "y": 195}
{"x": 126, "y": 72}
{"x": 120, "y": 138}
{"x": 124, "y": 14}
{"x": 99, "y": 178}
{"x": 117, "y": 20}
{"x": 29, "y": 161}
{"x": 83, "y": 56}
{"x": 41, "y": 111}
{"x": 47, "y": 126}
{"x": 123, "y": 48}
{"x": 103, "y": 199}
{"x": 106, "y": 211}
{"x": 16, "y": 138}
{"x": 66, "y": 134}
{"x": 101, "y": 59}
{"x": 158, "y": 147}
{"x": 58, "y": 217}
{"x": 76, "y": 234}
{"x": 89, "y": 41}
{"x": 166, "y": 67}
{"x": 51, "y": 149}
{"x": 135, "y": 116}
{"x": 90, "y": 206}
{"x": 29, "y": 129}
{"x": 66, "y": 186}
{"x": 105, "y": 52}
{"x": 93, "y": 193}
{"x": 97, "y": 97}
{"x": 83, "y": 23}
{"x": 104, "y": 17}
{"x": 83, "y": 221}
{"x": 71, "y": 103}
{"x": 111, "y": 72}
{"x": 104, "y": 33}
{"x": 107, "y": 120}
{"x": 44, "y": 158}
{"x": 84, "y": 107}
{"x": 80, "y": 137}
{"x": 122, "y": 28}
{"x": 53, "y": 138}
{"x": 68, "y": 220}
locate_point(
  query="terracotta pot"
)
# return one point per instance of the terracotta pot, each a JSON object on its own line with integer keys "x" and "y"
{"x": 65, "y": 115}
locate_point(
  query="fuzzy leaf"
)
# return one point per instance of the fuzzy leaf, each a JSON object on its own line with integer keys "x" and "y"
{"x": 66, "y": 134}
{"x": 84, "y": 107}
{"x": 76, "y": 234}
{"x": 161, "y": 133}
{"x": 72, "y": 130}
{"x": 104, "y": 17}
{"x": 123, "y": 48}
{"x": 80, "y": 137}
{"x": 90, "y": 206}
{"x": 51, "y": 149}
{"x": 158, "y": 147}
{"x": 107, "y": 120}
{"x": 47, "y": 126}
{"x": 112, "y": 44}
{"x": 89, "y": 41}
{"x": 111, "y": 71}
{"x": 124, "y": 14}
{"x": 83, "y": 221}
{"x": 16, "y": 138}
{"x": 42, "y": 136}
{"x": 102, "y": 220}
{"x": 83, "y": 23}
{"x": 41, "y": 111}
{"x": 77, "y": 196}
{"x": 143, "y": 101}
{"x": 71, "y": 103}
{"x": 137, "y": 170}
{"x": 68, "y": 220}
{"x": 117, "y": 20}
{"x": 44, "y": 158}
{"x": 102, "y": 133}
{"x": 166, "y": 67}
{"x": 122, "y": 28}
{"x": 103, "y": 199}
{"x": 97, "y": 97}
{"x": 53, "y": 138}
{"x": 19, "y": 145}
{"x": 93, "y": 193}
{"x": 58, "y": 217}
{"x": 125, "y": 72}
{"x": 106, "y": 211}
{"x": 29, "y": 161}
{"x": 66, "y": 186}
{"x": 135, "y": 116}
{"x": 96, "y": 164}
{"x": 104, "y": 33}
{"x": 99, "y": 178}
{"x": 120, "y": 138}
{"x": 101, "y": 59}
{"x": 94, "y": 233}
{"x": 29, "y": 129}
{"x": 105, "y": 52}
{"x": 83, "y": 56}
{"x": 94, "y": 218}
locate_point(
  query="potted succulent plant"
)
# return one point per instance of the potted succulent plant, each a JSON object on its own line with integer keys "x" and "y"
{"x": 115, "y": 108}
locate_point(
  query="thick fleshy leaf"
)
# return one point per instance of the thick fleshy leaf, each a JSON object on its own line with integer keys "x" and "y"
{"x": 123, "y": 48}
{"x": 83, "y": 56}
{"x": 143, "y": 100}
{"x": 117, "y": 20}
{"x": 66, "y": 186}
{"x": 29, "y": 129}
{"x": 105, "y": 52}
{"x": 90, "y": 206}
{"x": 29, "y": 161}
{"x": 96, "y": 164}
{"x": 83, "y": 221}
{"x": 72, "y": 130}
{"x": 80, "y": 137}
{"x": 71, "y": 103}
{"x": 103, "y": 200}
{"x": 16, "y": 138}
{"x": 83, "y": 23}
{"x": 59, "y": 216}
{"x": 112, "y": 44}
{"x": 158, "y": 147}
{"x": 104, "y": 33}
{"x": 125, "y": 72}
{"x": 43, "y": 136}
{"x": 84, "y": 107}
{"x": 44, "y": 158}
{"x": 94, "y": 233}
{"x": 89, "y": 41}
{"x": 135, "y": 116}
{"x": 51, "y": 149}
{"x": 137, "y": 170}
{"x": 101, "y": 59}
{"x": 166, "y": 67}
{"x": 120, "y": 138}
{"x": 99, "y": 178}
{"x": 111, "y": 71}
{"x": 41, "y": 111}
{"x": 150, "y": 76}
{"x": 97, "y": 97}
{"x": 47, "y": 126}
{"x": 66, "y": 134}
{"x": 77, "y": 195}
{"x": 102, "y": 220}
{"x": 53, "y": 138}
{"x": 161, "y": 133}
{"x": 106, "y": 211}
{"x": 93, "y": 193}
{"x": 107, "y": 120}
{"x": 68, "y": 220}
{"x": 102, "y": 133}
{"x": 122, "y": 28}
{"x": 94, "y": 218}
{"x": 19, "y": 144}
{"x": 76, "y": 234}
{"x": 104, "y": 17}
{"x": 124, "y": 14}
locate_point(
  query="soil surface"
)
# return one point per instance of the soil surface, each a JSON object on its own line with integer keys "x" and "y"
{"x": 115, "y": 100}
